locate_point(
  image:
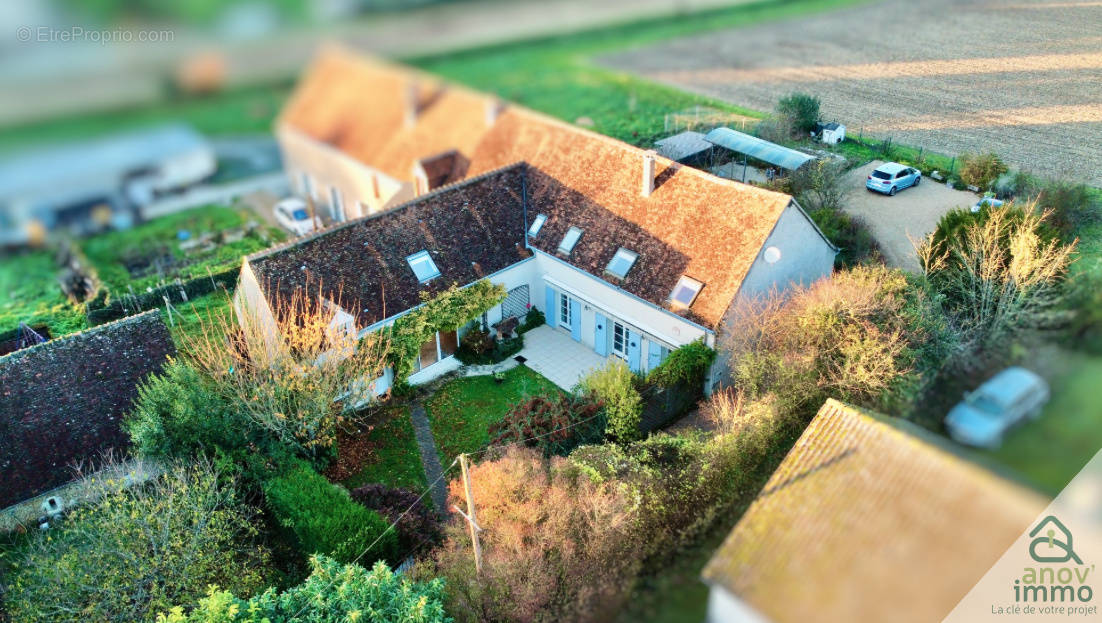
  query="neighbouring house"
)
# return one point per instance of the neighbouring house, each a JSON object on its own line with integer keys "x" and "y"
{"x": 627, "y": 253}
{"x": 62, "y": 402}
{"x": 866, "y": 519}
{"x": 361, "y": 135}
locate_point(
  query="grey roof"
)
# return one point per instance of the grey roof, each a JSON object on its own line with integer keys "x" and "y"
{"x": 683, "y": 145}
{"x": 757, "y": 148}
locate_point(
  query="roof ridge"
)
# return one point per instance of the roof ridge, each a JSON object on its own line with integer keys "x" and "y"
{"x": 263, "y": 253}
{"x": 88, "y": 331}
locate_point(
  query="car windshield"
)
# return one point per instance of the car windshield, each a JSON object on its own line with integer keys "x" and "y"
{"x": 985, "y": 404}
{"x": 300, "y": 214}
{"x": 882, "y": 175}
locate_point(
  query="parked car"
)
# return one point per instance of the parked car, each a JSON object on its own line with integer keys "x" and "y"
{"x": 1004, "y": 400}
{"x": 986, "y": 202}
{"x": 293, "y": 214}
{"x": 892, "y": 177}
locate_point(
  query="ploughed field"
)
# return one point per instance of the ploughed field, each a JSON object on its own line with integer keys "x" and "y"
{"x": 1017, "y": 77}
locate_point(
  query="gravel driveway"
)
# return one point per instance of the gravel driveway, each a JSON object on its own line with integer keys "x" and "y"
{"x": 910, "y": 215}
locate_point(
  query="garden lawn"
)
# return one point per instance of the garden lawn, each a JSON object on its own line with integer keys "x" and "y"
{"x": 390, "y": 454}
{"x": 211, "y": 312}
{"x": 461, "y": 411}
{"x": 30, "y": 293}
{"x": 1051, "y": 450}
{"x": 111, "y": 252}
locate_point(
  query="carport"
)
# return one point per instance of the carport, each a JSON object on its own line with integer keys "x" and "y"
{"x": 758, "y": 149}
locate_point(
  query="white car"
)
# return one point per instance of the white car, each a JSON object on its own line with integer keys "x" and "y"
{"x": 981, "y": 419}
{"x": 294, "y": 214}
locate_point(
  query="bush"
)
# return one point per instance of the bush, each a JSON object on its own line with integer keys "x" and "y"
{"x": 687, "y": 365}
{"x": 418, "y": 524}
{"x": 850, "y": 234}
{"x": 332, "y": 593}
{"x": 800, "y": 110}
{"x": 614, "y": 386}
{"x": 139, "y": 550}
{"x": 324, "y": 519}
{"x": 820, "y": 184}
{"x": 559, "y": 423}
{"x": 981, "y": 170}
{"x": 532, "y": 319}
{"x": 487, "y": 351}
{"x": 1071, "y": 207}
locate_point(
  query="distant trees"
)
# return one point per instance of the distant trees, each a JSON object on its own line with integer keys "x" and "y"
{"x": 800, "y": 111}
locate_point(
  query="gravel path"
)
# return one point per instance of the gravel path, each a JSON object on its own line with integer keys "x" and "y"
{"x": 430, "y": 459}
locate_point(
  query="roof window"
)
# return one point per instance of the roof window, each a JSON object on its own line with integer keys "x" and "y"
{"x": 423, "y": 266}
{"x": 569, "y": 240}
{"x": 622, "y": 262}
{"x": 684, "y": 293}
{"x": 537, "y": 225}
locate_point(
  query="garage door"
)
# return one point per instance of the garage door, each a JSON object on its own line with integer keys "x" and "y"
{"x": 515, "y": 303}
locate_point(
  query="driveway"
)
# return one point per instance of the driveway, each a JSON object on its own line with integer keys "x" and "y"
{"x": 897, "y": 221}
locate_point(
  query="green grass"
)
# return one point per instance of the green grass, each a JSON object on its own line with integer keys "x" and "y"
{"x": 1051, "y": 450}
{"x": 677, "y": 595}
{"x": 394, "y": 460}
{"x": 29, "y": 292}
{"x": 461, "y": 411}
{"x": 211, "y": 310}
{"x": 110, "y": 252}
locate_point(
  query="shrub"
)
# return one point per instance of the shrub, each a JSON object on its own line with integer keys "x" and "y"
{"x": 139, "y": 550}
{"x": 477, "y": 342}
{"x": 614, "y": 386}
{"x": 850, "y": 234}
{"x": 800, "y": 110}
{"x": 486, "y": 351}
{"x": 981, "y": 170}
{"x": 556, "y": 424}
{"x": 1070, "y": 207}
{"x": 820, "y": 184}
{"x": 687, "y": 364}
{"x": 332, "y": 593}
{"x": 324, "y": 519}
{"x": 532, "y": 319}
{"x": 418, "y": 525}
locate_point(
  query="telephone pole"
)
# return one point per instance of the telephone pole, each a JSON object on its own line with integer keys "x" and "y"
{"x": 470, "y": 516}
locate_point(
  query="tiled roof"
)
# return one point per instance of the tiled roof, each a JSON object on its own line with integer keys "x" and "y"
{"x": 867, "y": 520}
{"x": 693, "y": 223}
{"x": 358, "y": 105}
{"x": 444, "y": 168}
{"x": 470, "y": 229}
{"x": 63, "y": 401}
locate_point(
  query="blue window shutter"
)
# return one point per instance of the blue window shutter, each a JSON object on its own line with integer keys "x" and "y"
{"x": 654, "y": 354}
{"x": 635, "y": 351}
{"x": 600, "y": 341}
{"x": 551, "y": 314}
{"x": 575, "y": 320}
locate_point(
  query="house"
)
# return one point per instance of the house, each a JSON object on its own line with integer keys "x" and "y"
{"x": 63, "y": 401}
{"x": 361, "y": 135}
{"x": 627, "y": 253}
{"x": 866, "y": 519}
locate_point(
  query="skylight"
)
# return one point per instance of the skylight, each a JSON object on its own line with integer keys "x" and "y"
{"x": 423, "y": 266}
{"x": 684, "y": 293}
{"x": 537, "y": 225}
{"x": 569, "y": 240}
{"x": 622, "y": 262}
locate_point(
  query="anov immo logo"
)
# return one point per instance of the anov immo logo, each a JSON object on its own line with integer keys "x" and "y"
{"x": 1060, "y": 577}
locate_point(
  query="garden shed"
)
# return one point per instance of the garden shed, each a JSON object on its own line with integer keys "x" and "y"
{"x": 752, "y": 147}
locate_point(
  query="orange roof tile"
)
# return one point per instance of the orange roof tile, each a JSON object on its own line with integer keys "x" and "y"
{"x": 358, "y": 105}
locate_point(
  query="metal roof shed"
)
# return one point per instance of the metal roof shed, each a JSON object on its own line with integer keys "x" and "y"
{"x": 683, "y": 147}
{"x": 757, "y": 148}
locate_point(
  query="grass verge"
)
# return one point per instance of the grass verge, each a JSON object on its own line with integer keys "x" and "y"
{"x": 387, "y": 453}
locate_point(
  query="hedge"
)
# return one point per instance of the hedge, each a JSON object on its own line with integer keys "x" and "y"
{"x": 104, "y": 309}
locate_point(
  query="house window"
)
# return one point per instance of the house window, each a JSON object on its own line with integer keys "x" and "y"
{"x": 449, "y": 343}
{"x": 537, "y": 224}
{"x": 336, "y": 204}
{"x": 423, "y": 266}
{"x": 429, "y": 353}
{"x": 569, "y": 240}
{"x": 684, "y": 293}
{"x": 564, "y": 310}
{"x": 619, "y": 340}
{"x": 622, "y": 262}
{"x": 441, "y": 346}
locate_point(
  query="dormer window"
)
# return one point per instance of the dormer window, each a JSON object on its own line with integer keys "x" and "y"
{"x": 622, "y": 262}
{"x": 537, "y": 224}
{"x": 684, "y": 293}
{"x": 422, "y": 265}
{"x": 569, "y": 240}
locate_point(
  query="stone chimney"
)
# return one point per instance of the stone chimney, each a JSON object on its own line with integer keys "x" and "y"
{"x": 494, "y": 108}
{"x": 648, "y": 172}
{"x": 412, "y": 104}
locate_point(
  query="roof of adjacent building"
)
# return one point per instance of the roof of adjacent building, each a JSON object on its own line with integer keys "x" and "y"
{"x": 755, "y": 147}
{"x": 868, "y": 519}
{"x": 63, "y": 401}
{"x": 471, "y": 230}
{"x": 682, "y": 145}
{"x": 358, "y": 105}
{"x": 693, "y": 223}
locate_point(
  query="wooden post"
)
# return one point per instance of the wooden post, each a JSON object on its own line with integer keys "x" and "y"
{"x": 470, "y": 515}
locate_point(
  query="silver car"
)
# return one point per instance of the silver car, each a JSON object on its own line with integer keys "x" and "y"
{"x": 892, "y": 177}
{"x": 1005, "y": 399}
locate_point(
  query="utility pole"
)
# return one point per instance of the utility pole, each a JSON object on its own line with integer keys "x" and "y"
{"x": 475, "y": 529}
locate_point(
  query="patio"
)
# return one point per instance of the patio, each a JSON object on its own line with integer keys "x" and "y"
{"x": 560, "y": 359}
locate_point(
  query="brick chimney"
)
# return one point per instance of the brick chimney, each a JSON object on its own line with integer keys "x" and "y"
{"x": 412, "y": 104}
{"x": 494, "y": 108}
{"x": 648, "y": 172}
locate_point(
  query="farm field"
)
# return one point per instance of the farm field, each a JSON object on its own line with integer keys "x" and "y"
{"x": 1017, "y": 78}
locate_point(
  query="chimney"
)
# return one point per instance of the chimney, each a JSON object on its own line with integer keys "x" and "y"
{"x": 494, "y": 106}
{"x": 648, "y": 172}
{"x": 412, "y": 104}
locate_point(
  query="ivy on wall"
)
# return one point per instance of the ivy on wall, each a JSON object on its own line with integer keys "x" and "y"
{"x": 687, "y": 364}
{"x": 446, "y": 311}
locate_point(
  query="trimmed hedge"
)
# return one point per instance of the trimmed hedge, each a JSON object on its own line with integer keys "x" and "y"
{"x": 104, "y": 309}
{"x": 324, "y": 519}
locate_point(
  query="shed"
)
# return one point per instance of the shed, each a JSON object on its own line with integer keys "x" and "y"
{"x": 687, "y": 147}
{"x": 831, "y": 133}
{"x": 759, "y": 149}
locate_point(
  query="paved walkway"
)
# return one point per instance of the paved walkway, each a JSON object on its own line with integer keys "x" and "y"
{"x": 430, "y": 459}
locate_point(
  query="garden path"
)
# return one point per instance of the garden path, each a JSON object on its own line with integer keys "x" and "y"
{"x": 430, "y": 459}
